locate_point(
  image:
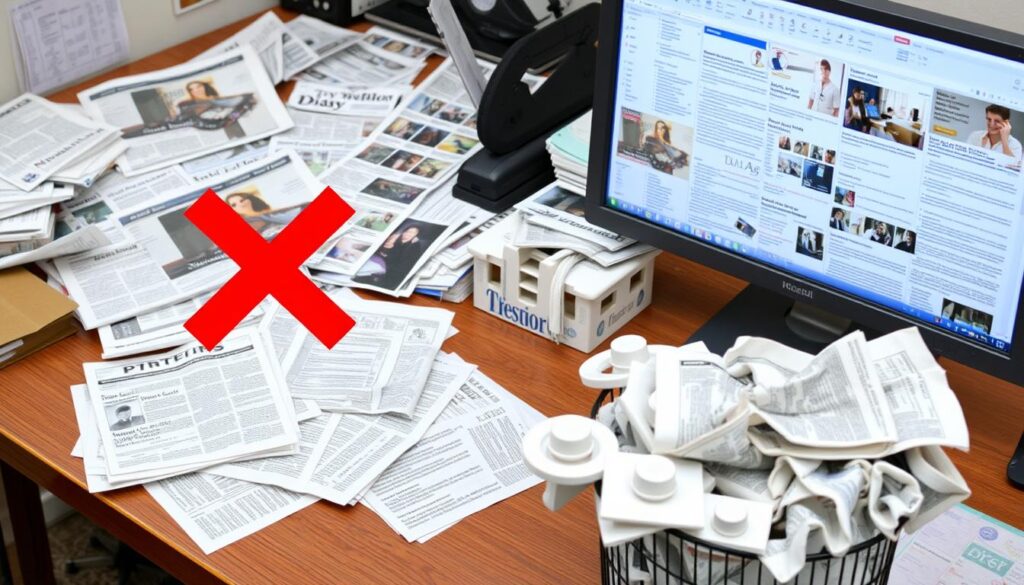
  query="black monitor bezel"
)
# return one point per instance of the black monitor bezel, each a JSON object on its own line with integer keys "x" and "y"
{"x": 1008, "y": 366}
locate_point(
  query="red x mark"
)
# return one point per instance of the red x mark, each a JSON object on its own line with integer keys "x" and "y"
{"x": 269, "y": 268}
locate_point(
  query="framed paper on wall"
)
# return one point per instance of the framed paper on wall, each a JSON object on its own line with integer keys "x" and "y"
{"x": 183, "y": 6}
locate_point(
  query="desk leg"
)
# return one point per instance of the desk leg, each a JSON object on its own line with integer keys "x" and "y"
{"x": 31, "y": 544}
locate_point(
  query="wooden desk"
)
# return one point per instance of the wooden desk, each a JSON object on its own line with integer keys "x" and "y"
{"x": 516, "y": 541}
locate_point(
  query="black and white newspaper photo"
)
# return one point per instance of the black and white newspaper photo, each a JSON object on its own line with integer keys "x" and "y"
{"x": 189, "y": 110}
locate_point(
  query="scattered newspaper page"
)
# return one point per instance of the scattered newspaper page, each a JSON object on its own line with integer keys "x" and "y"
{"x": 37, "y": 139}
{"x": 37, "y": 224}
{"x": 361, "y": 65}
{"x": 533, "y": 235}
{"x": 114, "y": 193}
{"x": 323, "y": 139}
{"x": 225, "y": 162}
{"x": 469, "y": 459}
{"x": 160, "y": 329}
{"x": 89, "y": 238}
{"x": 391, "y": 42}
{"x": 90, "y": 449}
{"x": 322, "y": 38}
{"x": 216, "y": 511}
{"x": 383, "y": 368}
{"x": 395, "y": 267}
{"x": 266, "y": 36}
{"x": 10, "y": 194}
{"x": 339, "y": 100}
{"x": 191, "y": 406}
{"x": 362, "y": 446}
{"x": 84, "y": 171}
{"x": 349, "y": 376}
{"x": 418, "y": 147}
{"x": 59, "y": 41}
{"x": 290, "y": 472}
{"x": 189, "y": 110}
{"x": 167, "y": 262}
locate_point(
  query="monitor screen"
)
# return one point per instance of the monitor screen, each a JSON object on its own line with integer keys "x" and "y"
{"x": 755, "y": 126}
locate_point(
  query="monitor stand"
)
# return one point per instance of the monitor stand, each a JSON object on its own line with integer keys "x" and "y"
{"x": 759, "y": 312}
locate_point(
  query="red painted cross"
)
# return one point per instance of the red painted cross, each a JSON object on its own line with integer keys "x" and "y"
{"x": 269, "y": 268}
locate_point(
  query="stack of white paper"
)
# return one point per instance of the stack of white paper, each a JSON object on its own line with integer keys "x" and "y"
{"x": 39, "y": 143}
{"x": 570, "y": 150}
{"x": 553, "y": 218}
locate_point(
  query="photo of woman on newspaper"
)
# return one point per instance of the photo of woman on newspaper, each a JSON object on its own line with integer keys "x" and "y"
{"x": 398, "y": 256}
{"x": 263, "y": 218}
{"x": 189, "y": 110}
{"x": 202, "y": 108}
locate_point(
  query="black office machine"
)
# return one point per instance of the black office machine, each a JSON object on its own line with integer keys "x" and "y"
{"x": 491, "y": 26}
{"x": 513, "y": 123}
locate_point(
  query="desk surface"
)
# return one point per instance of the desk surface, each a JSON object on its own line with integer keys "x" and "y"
{"x": 517, "y": 540}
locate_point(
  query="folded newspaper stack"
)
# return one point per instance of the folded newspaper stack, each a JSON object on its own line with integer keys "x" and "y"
{"x": 570, "y": 150}
{"x": 45, "y": 150}
{"x": 840, "y": 446}
{"x": 554, "y": 218}
{"x": 271, "y": 414}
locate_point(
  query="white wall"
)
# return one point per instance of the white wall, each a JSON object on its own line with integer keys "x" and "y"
{"x": 1006, "y": 14}
{"x": 152, "y": 27}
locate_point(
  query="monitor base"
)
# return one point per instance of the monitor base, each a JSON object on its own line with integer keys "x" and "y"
{"x": 1015, "y": 470}
{"x": 760, "y": 312}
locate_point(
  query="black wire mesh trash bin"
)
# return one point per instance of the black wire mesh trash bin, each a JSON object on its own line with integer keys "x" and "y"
{"x": 672, "y": 557}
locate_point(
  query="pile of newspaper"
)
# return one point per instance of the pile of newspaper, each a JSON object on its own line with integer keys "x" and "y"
{"x": 570, "y": 150}
{"x": 410, "y": 232}
{"x": 842, "y": 445}
{"x": 136, "y": 267}
{"x": 45, "y": 150}
{"x": 270, "y": 415}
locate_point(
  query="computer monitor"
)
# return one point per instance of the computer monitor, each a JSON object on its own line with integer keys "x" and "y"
{"x": 746, "y": 135}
